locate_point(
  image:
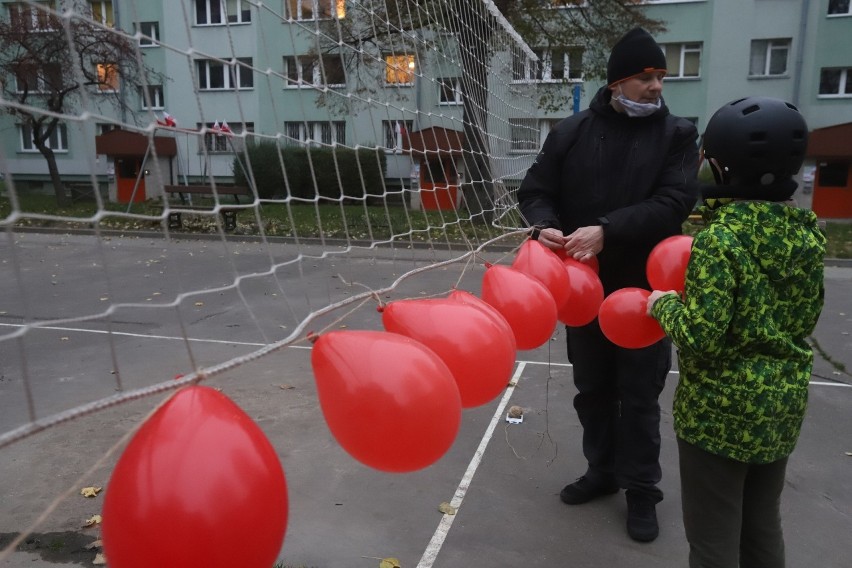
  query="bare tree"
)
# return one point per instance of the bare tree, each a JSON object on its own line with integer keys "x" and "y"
{"x": 400, "y": 25}
{"x": 47, "y": 60}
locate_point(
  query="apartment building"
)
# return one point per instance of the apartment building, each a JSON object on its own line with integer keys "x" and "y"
{"x": 226, "y": 62}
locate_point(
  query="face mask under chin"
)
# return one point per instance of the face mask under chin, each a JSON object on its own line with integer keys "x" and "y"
{"x": 637, "y": 110}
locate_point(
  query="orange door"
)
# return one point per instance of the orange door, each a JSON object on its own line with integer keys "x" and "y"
{"x": 126, "y": 172}
{"x": 833, "y": 190}
{"x": 438, "y": 185}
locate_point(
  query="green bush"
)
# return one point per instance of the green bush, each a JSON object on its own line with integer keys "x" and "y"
{"x": 328, "y": 172}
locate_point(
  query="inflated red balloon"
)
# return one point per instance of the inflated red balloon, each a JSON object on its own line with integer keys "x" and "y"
{"x": 198, "y": 485}
{"x": 476, "y": 348}
{"x": 468, "y": 298}
{"x": 525, "y": 303}
{"x": 591, "y": 262}
{"x": 536, "y": 260}
{"x": 666, "y": 265}
{"x": 624, "y": 321}
{"x": 389, "y": 400}
{"x": 585, "y": 294}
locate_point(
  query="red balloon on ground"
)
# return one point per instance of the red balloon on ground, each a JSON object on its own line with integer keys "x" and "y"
{"x": 585, "y": 294}
{"x": 536, "y": 260}
{"x": 624, "y": 321}
{"x": 525, "y": 303}
{"x": 666, "y": 265}
{"x": 474, "y": 346}
{"x": 198, "y": 485}
{"x": 591, "y": 262}
{"x": 389, "y": 400}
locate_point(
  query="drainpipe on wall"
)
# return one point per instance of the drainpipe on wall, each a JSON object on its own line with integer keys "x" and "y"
{"x": 121, "y": 90}
{"x": 800, "y": 52}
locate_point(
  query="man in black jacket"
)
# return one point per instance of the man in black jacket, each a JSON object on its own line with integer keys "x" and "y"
{"x": 612, "y": 182}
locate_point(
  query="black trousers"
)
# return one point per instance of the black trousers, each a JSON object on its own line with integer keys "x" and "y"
{"x": 731, "y": 510}
{"x": 618, "y": 406}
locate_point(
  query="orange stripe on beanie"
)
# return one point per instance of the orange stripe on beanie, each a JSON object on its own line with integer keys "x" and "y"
{"x": 635, "y": 53}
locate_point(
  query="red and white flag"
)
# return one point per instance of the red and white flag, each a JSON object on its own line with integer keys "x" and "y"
{"x": 225, "y": 128}
{"x": 216, "y": 128}
{"x": 168, "y": 120}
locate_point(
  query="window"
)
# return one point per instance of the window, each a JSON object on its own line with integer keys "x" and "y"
{"x": 150, "y": 33}
{"x": 34, "y": 16}
{"x": 108, "y": 78}
{"x": 315, "y": 9}
{"x": 768, "y": 57}
{"x": 399, "y": 70}
{"x": 33, "y": 79}
{"x": 224, "y": 137}
{"x": 393, "y": 130}
{"x": 57, "y": 141}
{"x": 315, "y": 133}
{"x": 102, "y": 13}
{"x": 528, "y": 134}
{"x": 835, "y": 81}
{"x": 839, "y": 8}
{"x": 217, "y": 12}
{"x": 449, "y": 91}
{"x": 302, "y": 71}
{"x": 833, "y": 174}
{"x": 104, "y": 127}
{"x": 683, "y": 60}
{"x": 554, "y": 65}
{"x": 154, "y": 99}
{"x": 216, "y": 75}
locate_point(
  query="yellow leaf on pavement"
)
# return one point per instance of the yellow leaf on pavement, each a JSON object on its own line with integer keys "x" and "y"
{"x": 93, "y": 520}
{"x": 447, "y": 509}
{"x": 390, "y": 563}
{"x": 90, "y": 491}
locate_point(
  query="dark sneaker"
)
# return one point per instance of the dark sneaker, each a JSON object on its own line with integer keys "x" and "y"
{"x": 642, "y": 520}
{"x": 584, "y": 490}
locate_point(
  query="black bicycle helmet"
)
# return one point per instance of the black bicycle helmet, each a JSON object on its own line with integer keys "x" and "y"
{"x": 758, "y": 144}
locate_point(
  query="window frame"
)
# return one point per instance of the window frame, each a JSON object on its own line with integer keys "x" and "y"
{"x": 335, "y": 10}
{"x": 59, "y": 137}
{"x": 335, "y": 128}
{"x": 106, "y": 15}
{"x": 398, "y": 68}
{"x": 109, "y": 77}
{"x": 297, "y": 66}
{"x": 156, "y": 94}
{"x": 447, "y": 85}
{"x": 831, "y": 14}
{"x": 37, "y": 20}
{"x": 525, "y": 70}
{"x": 228, "y": 12}
{"x": 844, "y": 83}
{"x": 393, "y": 137}
{"x": 770, "y": 47}
{"x": 684, "y": 48}
{"x": 235, "y": 72}
{"x": 149, "y": 37}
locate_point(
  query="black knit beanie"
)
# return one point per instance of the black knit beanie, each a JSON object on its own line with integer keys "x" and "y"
{"x": 635, "y": 53}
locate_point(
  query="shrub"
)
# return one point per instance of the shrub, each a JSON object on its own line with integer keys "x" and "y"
{"x": 328, "y": 172}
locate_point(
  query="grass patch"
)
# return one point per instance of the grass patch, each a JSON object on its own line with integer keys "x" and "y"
{"x": 331, "y": 221}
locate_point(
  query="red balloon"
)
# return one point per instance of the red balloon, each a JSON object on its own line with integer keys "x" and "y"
{"x": 536, "y": 260}
{"x": 591, "y": 262}
{"x": 478, "y": 352}
{"x": 198, "y": 485}
{"x": 624, "y": 321}
{"x": 389, "y": 400}
{"x": 468, "y": 298}
{"x": 585, "y": 294}
{"x": 525, "y": 303}
{"x": 666, "y": 265}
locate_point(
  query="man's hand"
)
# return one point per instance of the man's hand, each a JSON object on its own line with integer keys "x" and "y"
{"x": 551, "y": 238}
{"x": 585, "y": 242}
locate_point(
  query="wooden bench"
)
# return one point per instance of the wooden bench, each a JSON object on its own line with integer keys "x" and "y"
{"x": 184, "y": 204}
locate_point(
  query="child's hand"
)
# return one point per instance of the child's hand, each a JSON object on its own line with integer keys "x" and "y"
{"x": 656, "y": 295}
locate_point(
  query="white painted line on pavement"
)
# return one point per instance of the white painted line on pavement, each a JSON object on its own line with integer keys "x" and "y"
{"x": 440, "y": 535}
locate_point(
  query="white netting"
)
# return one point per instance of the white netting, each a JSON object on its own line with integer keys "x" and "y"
{"x": 378, "y": 144}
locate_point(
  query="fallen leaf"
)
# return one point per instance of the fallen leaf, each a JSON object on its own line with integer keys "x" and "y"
{"x": 64, "y": 338}
{"x": 100, "y": 559}
{"x": 286, "y": 387}
{"x": 447, "y": 509}
{"x": 390, "y": 563}
{"x": 93, "y": 520}
{"x": 199, "y": 303}
{"x": 95, "y": 544}
{"x": 849, "y": 453}
{"x": 90, "y": 491}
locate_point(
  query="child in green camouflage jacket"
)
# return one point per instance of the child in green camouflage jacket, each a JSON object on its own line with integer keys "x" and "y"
{"x": 754, "y": 292}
